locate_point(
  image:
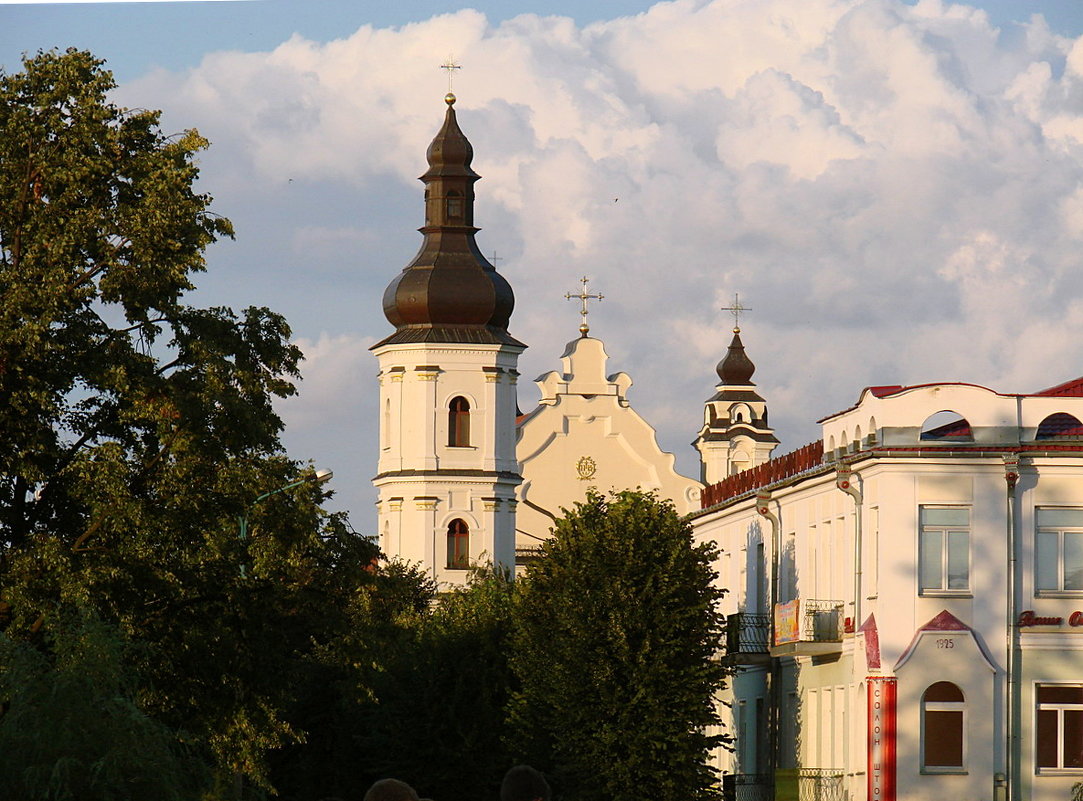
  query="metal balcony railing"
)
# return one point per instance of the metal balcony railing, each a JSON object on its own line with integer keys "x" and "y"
{"x": 811, "y": 784}
{"x": 807, "y": 620}
{"x": 747, "y": 787}
{"x": 822, "y": 621}
{"x": 747, "y": 633}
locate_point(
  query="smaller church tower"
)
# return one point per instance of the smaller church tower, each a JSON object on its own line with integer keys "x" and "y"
{"x": 735, "y": 434}
{"x": 447, "y": 471}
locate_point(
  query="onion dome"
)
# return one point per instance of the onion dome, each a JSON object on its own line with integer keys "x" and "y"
{"x": 736, "y": 367}
{"x": 449, "y": 292}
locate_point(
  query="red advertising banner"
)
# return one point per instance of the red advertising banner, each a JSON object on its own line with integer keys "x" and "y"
{"x": 786, "y": 622}
{"x": 882, "y": 721}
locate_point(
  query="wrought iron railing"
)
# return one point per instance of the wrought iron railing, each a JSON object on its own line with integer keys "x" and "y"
{"x": 747, "y": 633}
{"x": 821, "y": 784}
{"x": 747, "y": 787}
{"x": 811, "y": 784}
{"x": 822, "y": 621}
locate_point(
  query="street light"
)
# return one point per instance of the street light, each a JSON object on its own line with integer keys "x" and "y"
{"x": 319, "y": 477}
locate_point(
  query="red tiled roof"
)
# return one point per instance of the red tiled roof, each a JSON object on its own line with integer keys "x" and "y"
{"x": 1069, "y": 389}
{"x": 769, "y": 472}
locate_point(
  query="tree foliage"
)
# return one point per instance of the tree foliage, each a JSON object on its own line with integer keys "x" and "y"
{"x": 440, "y": 711}
{"x": 137, "y": 428}
{"x": 73, "y": 729}
{"x": 617, "y": 630}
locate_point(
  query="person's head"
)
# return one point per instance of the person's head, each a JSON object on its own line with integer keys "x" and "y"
{"x": 523, "y": 783}
{"x": 391, "y": 790}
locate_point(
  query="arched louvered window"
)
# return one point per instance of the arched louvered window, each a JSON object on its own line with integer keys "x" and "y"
{"x": 458, "y": 423}
{"x": 454, "y": 205}
{"x": 458, "y": 545}
{"x": 943, "y": 726}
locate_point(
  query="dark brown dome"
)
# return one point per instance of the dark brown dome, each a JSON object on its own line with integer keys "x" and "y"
{"x": 449, "y": 292}
{"x": 736, "y": 368}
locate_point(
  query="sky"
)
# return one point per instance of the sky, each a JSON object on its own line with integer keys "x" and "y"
{"x": 895, "y": 189}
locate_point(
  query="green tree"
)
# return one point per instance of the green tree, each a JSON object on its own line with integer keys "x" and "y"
{"x": 616, "y": 643}
{"x": 72, "y": 728}
{"x": 135, "y": 429}
{"x": 438, "y": 719}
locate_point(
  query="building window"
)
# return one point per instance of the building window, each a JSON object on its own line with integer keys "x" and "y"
{"x": 458, "y": 423}
{"x": 1059, "y": 727}
{"x": 943, "y": 722}
{"x": 1058, "y": 551}
{"x": 944, "y": 550}
{"x": 454, "y": 205}
{"x": 458, "y": 545}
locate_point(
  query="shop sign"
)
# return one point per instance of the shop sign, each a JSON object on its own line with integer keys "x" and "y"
{"x": 786, "y": 622}
{"x": 881, "y": 755}
{"x": 1028, "y": 619}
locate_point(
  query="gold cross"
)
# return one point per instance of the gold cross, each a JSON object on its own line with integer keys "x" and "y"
{"x": 736, "y": 309}
{"x": 450, "y": 66}
{"x": 583, "y": 297}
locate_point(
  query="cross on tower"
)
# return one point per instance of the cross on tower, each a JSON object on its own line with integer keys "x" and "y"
{"x": 583, "y": 297}
{"x": 450, "y": 66}
{"x": 736, "y": 309}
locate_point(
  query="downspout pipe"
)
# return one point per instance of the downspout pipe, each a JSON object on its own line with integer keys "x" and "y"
{"x": 846, "y": 480}
{"x": 1011, "y": 678}
{"x": 763, "y": 508}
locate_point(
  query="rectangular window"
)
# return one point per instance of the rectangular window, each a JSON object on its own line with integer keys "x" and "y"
{"x": 1059, "y": 727}
{"x": 1058, "y": 551}
{"x": 944, "y": 550}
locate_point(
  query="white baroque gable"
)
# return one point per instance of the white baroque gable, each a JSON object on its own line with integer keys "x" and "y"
{"x": 584, "y": 434}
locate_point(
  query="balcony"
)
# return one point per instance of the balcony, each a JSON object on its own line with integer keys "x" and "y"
{"x": 801, "y": 784}
{"x": 811, "y": 784}
{"x": 747, "y": 787}
{"x": 748, "y": 639}
{"x": 808, "y": 627}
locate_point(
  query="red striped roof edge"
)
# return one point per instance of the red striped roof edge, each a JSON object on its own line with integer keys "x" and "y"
{"x": 771, "y": 471}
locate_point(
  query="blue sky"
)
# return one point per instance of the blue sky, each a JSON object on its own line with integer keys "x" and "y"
{"x": 135, "y": 37}
{"x": 894, "y": 188}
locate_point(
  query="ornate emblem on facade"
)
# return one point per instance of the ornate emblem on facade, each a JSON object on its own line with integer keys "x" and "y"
{"x": 586, "y": 468}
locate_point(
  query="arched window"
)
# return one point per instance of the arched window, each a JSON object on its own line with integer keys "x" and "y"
{"x": 1060, "y": 426}
{"x": 458, "y": 545}
{"x": 458, "y": 423}
{"x": 385, "y": 431}
{"x": 943, "y": 724}
{"x": 947, "y": 426}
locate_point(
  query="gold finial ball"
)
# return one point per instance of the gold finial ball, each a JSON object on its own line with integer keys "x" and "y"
{"x": 449, "y": 98}
{"x": 584, "y": 329}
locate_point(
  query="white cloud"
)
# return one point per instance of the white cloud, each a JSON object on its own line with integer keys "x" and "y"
{"x": 894, "y": 189}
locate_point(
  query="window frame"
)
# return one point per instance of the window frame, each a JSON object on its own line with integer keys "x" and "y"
{"x": 943, "y": 530}
{"x": 944, "y": 706}
{"x": 458, "y": 545}
{"x": 1060, "y": 530}
{"x": 1060, "y": 709}
{"x": 458, "y": 423}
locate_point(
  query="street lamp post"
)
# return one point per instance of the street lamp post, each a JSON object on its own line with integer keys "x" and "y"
{"x": 319, "y": 477}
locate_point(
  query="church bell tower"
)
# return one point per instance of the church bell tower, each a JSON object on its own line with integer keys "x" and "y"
{"x": 447, "y": 469}
{"x": 735, "y": 435}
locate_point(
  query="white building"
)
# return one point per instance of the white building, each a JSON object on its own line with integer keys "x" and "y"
{"x": 447, "y": 472}
{"x": 906, "y": 607}
{"x": 906, "y": 593}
